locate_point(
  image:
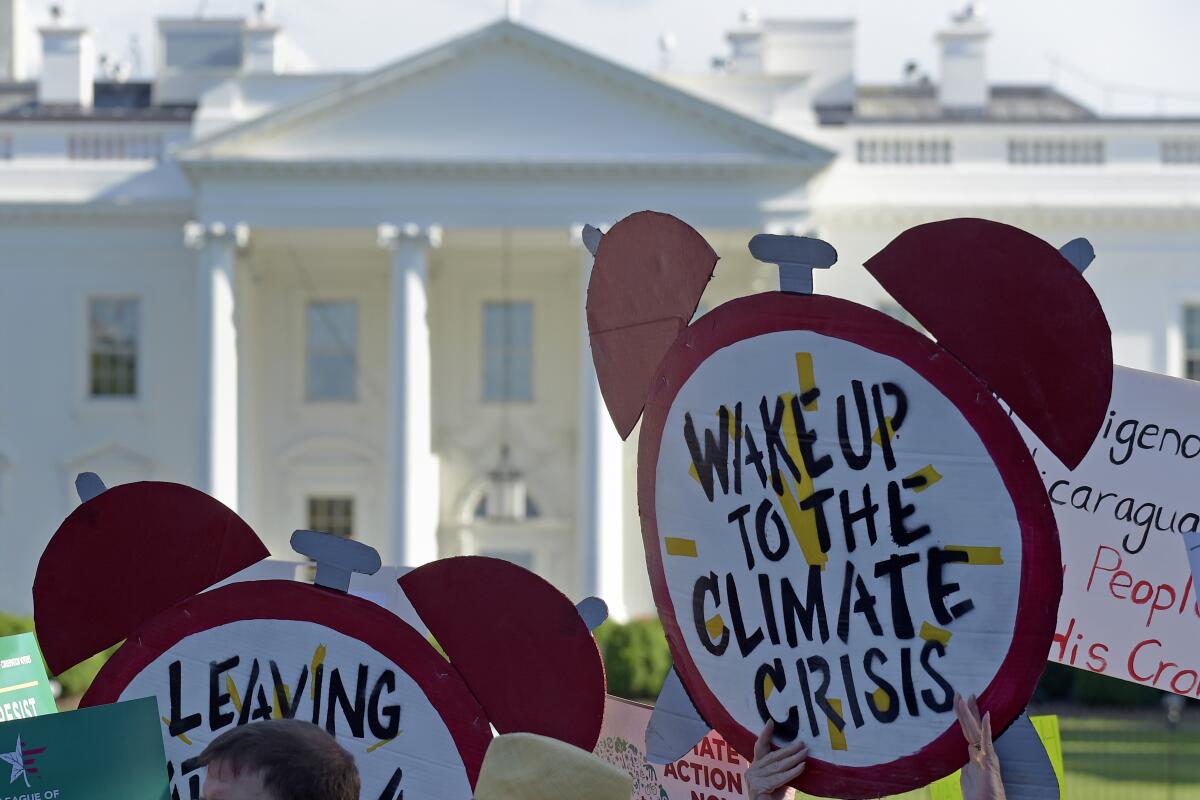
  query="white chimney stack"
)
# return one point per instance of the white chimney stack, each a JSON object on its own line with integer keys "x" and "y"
{"x": 68, "y": 66}
{"x": 821, "y": 50}
{"x": 964, "y": 84}
{"x": 12, "y": 40}
{"x": 261, "y": 52}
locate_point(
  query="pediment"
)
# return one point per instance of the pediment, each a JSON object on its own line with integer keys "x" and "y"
{"x": 507, "y": 95}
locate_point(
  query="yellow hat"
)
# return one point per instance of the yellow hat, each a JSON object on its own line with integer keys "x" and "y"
{"x": 525, "y": 766}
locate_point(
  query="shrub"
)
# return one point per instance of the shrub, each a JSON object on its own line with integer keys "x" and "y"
{"x": 74, "y": 681}
{"x": 1061, "y": 683}
{"x": 636, "y": 658}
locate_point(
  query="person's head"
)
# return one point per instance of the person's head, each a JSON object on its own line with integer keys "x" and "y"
{"x": 283, "y": 759}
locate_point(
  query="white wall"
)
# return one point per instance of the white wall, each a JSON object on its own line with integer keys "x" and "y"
{"x": 49, "y": 428}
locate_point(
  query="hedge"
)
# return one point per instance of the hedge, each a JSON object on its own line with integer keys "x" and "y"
{"x": 74, "y": 681}
{"x": 636, "y": 658}
{"x": 1061, "y": 683}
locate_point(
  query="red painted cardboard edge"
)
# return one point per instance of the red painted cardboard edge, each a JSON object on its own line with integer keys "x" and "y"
{"x": 95, "y": 582}
{"x": 518, "y": 642}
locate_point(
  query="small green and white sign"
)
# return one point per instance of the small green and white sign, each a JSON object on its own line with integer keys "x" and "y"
{"x": 24, "y": 686}
{"x": 112, "y": 752}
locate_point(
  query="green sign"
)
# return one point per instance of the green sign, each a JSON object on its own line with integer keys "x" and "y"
{"x": 112, "y": 752}
{"x": 24, "y": 685}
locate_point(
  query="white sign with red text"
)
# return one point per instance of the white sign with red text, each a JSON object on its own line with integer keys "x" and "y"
{"x": 711, "y": 771}
{"x": 1129, "y": 602}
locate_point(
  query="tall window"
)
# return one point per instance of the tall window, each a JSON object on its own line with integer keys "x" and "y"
{"x": 113, "y": 347}
{"x": 508, "y": 352}
{"x": 331, "y": 515}
{"x": 332, "y": 351}
{"x": 1191, "y": 342}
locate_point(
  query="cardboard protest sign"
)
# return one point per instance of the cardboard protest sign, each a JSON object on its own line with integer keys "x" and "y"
{"x": 24, "y": 686}
{"x": 254, "y": 648}
{"x": 842, "y": 527}
{"x": 845, "y": 590}
{"x": 1124, "y": 515}
{"x": 271, "y": 649}
{"x": 711, "y": 771}
{"x": 112, "y": 752}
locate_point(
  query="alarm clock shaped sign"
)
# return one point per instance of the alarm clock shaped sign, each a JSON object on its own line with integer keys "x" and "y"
{"x": 842, "y": 526}
{"x": 518, "y": 655}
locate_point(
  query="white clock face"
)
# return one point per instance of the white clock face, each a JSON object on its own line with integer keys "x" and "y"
{"x": 838, "y": 546}
{"x": 218, "y": 678}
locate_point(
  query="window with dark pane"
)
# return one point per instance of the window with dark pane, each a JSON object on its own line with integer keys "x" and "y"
{"x": 113, "y": 347}
{"x": 1191, "y": 337}
{"x": 508, "y": 352}
{"x": 331, "y": 515}
{"x": 332, "y": 363}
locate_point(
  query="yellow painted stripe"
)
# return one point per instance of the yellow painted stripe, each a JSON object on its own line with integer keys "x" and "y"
{"x": 181, "y": 737}
{"x": 804, "y": 527}
{"x": 877, "y": 439}
{"x": 802, "y": 523}
{"x": 805, "y": 377}
{"x": 979, "y": 556}
{"x": 681, "y": 547}
{"x": 18, "y": 687}
{"x": 317, "y": 660}
{"x": 837, "y": 738}
{"x": 932, "y": 633}
{"x": 883, "y": 700}
{"x": 715, "y": 627}
{"x": 380, "y": 744}
{"x": 930, "y": 475}
{"x": 768, "y": 686}
{"x": 233, "y": 693}
{"x": 693, "y": 473}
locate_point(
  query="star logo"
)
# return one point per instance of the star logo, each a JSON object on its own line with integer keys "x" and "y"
{"x": 21, "y": 761}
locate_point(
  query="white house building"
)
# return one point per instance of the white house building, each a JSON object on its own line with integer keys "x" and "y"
{"x": 354, "y": 302}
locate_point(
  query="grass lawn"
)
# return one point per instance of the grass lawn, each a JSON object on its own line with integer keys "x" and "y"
{"x": 1126, "y": 756}
{"x": 1131, "y": 756}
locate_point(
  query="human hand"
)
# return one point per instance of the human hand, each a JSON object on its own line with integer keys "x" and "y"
{"x": 772, "y": 770}
{"x": 981, "y": 775}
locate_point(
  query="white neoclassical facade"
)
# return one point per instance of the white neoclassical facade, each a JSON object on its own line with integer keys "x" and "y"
{"x": 355, "y": 302}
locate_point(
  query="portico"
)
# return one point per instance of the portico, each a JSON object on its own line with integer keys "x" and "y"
{"x": 413, "y": 243}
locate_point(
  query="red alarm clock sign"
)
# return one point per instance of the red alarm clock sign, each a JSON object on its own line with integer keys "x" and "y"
{"x": 843, "y": 530}
{"x": 417, "y": 723}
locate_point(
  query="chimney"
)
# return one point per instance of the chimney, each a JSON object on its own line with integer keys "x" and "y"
{"x": 261, "y": 51}
{"x": 821, "y": 50}
{"x": 964, "y": 85}
{"x": 68, "y": 66}
{"x": 260, "y": 48}
{"x": 12, "y": 40}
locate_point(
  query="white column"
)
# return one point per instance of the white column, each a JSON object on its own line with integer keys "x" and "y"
{"x": 217, "y": 401}
{"x": 601, "y": 493}
{"x": 414, "y": 469}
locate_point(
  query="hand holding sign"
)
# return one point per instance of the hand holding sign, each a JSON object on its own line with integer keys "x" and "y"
{"x": 981, "y": 774}
{"x": 773, "y": 771}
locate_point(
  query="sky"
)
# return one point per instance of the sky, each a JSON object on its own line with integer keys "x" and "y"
{"x": 1147, "y": 45}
